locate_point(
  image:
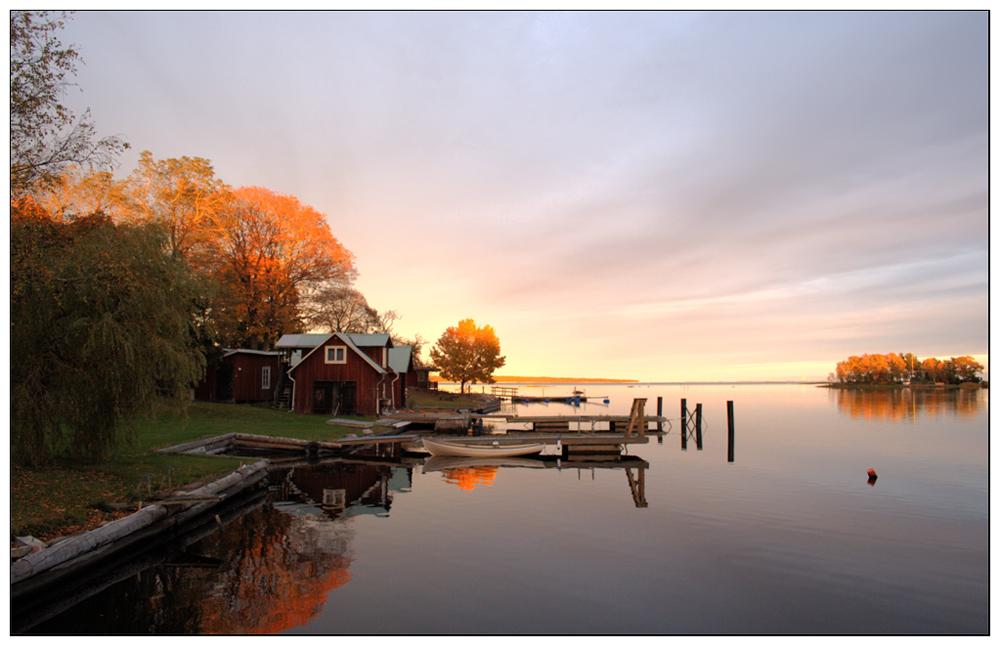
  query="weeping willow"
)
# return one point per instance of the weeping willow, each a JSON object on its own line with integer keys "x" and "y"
{"x": 102, "y": 324}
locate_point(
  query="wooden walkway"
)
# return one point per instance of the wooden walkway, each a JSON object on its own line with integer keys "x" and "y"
{"x": 586, "y": 437}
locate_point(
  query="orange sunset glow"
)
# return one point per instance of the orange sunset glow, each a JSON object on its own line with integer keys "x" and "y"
{"x": 661, "y": 196}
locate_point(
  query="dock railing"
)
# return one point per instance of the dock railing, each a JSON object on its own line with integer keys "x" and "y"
{"x": 510, "y": 392}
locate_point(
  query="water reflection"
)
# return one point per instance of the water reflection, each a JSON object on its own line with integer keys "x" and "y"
{"x": 904, "y": 404}
{"x": 467, "y": 473}
{"x": 274, "y": 560}
{"x": 265, "y": 571}
{"x": 791, "y": 541}
{"x": 468, "y": 477}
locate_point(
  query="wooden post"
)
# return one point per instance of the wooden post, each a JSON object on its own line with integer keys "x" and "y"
{"x": 697, "y": 426}
{"x": 732, "y": 429}
{"x": 637, "y": 418}
{"x": 684, "y": 425}
{"x": 659, "y": 413}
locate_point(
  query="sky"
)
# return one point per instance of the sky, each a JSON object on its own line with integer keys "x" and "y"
{"x": 660, "y": 196}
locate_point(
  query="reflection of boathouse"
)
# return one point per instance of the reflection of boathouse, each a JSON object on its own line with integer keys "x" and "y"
{"x": 346, "y": 488}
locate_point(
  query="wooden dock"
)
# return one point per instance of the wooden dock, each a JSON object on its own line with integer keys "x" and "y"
{"x": 586, "y": 437}
{"x": 573, "y": 444}
{"x": 580, "y": 423}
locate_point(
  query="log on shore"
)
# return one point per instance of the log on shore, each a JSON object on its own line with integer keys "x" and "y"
{"x": 286, "y": 442}
{"x": 50, "y": 601}
{"x": 77, "y": 546}
{"x": 220, "y": 440}
{"x": 142, "y": 539}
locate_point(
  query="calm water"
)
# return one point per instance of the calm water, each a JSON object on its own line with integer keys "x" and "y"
{"x": 789, "y": 538}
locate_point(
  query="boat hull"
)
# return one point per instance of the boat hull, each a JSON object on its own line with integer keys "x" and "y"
{"x": 445, "y": 463}
{"x": 455, "y": 449}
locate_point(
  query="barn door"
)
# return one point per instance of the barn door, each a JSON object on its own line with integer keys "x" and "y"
{"x": 348, "y": 397}
{"x": 323, "y": 397}
{"x": 224, "y": 383}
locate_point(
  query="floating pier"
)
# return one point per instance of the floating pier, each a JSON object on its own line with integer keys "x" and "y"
{"x": 579, "y": 423}
{"x": 595, "y": 434}
{"x": 511, "y": 393}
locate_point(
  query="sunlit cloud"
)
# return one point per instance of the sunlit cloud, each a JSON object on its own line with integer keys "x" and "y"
{"x": 721, "y": 189}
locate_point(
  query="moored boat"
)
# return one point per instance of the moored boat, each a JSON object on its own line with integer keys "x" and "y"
{"x": 458, "y": 449}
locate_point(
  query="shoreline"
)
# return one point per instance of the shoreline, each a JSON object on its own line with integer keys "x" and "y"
{"x": 537, "y": 381}
{"x": 962, "y": 386}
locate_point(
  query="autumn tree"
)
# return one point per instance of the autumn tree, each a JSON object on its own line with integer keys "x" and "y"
{"x": 467, "y": 353}
{"x": 45, "y": 135}
{"x": 181, "y": 194}
{"x": 100, "y": 325}
{"x": 269, "y": 249}
{"x": 933, "y": 369}
{"x": 892, "y": 368}
{"x": 966, "y": 369}
{"x": 338, "y": 307}
{"x": 73, "y": 192}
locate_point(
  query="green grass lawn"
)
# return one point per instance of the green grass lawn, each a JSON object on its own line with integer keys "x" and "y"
{"x": 442, "y": 399}
{"x": 67, "y": 496}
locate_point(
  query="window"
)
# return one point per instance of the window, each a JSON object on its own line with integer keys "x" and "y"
{"x": 336, "y": 354}
{"x": 265, "y": 377}
{"x": 336, "y": 498}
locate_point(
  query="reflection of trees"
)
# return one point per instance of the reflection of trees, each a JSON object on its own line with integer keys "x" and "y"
{"x": 468, "y": 477}
{"x": 279, "y": 575}
{"x": 267, "y": 571}
{"x": 907, "y": 403}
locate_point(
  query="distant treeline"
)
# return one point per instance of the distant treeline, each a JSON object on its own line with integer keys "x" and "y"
{"x": 906, "y": 367}
{"x": 559, "y": 380}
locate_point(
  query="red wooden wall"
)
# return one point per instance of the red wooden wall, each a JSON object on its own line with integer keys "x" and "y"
{"x": 314, "y": 368}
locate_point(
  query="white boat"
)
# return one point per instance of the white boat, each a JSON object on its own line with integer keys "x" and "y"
{"x": 463, "y": 450}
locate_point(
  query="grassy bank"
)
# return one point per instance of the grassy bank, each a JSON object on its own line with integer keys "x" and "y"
{"x": 442, "y": 399}
{"x": 67, "y": 497}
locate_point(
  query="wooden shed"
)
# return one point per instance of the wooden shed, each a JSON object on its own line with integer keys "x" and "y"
{"x": 241, "y": 376}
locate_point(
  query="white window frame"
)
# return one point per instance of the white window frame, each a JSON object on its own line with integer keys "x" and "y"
{"x": 265, "y": 377}
{"x": 335, "y": 348}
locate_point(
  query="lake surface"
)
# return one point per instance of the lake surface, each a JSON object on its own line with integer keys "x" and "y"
{"x": 790, "y": 537}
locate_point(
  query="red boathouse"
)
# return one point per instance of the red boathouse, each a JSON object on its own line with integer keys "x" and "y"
{"x": 346, "y": 374}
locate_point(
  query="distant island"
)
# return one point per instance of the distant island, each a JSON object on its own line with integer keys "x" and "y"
{"x": 561, "y": 380}
{"x": 552, "y": 380}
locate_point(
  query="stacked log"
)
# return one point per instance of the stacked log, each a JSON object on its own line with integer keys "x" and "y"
{"x": 117, "y": 535}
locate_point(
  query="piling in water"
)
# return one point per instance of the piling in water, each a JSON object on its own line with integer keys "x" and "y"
{"x": 732, "y": 429}
{"x": 684, "y": 425}
{"x": 697, "y": 426}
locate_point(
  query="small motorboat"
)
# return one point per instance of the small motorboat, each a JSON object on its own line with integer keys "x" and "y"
{"x": 469, "y": 450}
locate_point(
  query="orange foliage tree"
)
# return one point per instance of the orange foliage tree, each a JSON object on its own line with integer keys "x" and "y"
{"x": 467, "y": 353}
{"x": 183, "y": 195}
{"x": 269, "y": 248}
{"x": 893, "y": 368}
